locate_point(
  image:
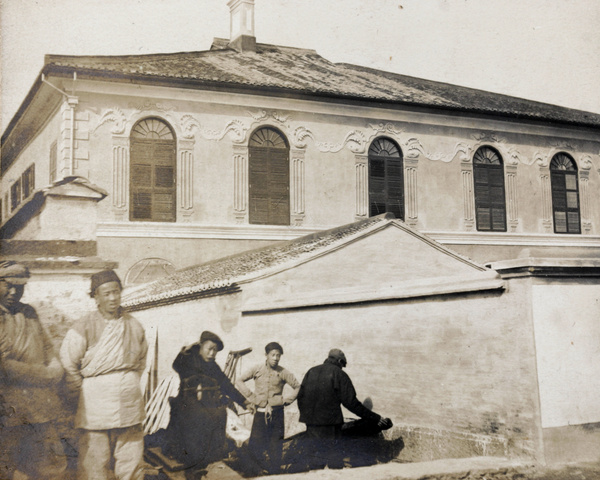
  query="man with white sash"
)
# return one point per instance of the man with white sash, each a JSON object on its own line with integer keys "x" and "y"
{"x": 104, "y": 356}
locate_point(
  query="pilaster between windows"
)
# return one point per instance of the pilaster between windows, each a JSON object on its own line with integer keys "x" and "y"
{"x": 297, "y": 187}
{"x": 512, "y": 197}
{"x": 466, "y": 168}
{"x": 240, "y": 183}
{"x": 546, "y": 190}
{"x": 185, "y": 180}
{"x": 586, "y": 214}
{"x": 120, "y": 185}
{"x": 361, "y": 167}
{"x": 411, "y": 189}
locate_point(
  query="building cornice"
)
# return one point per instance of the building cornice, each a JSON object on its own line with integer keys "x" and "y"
{"x": 273, "y": 232}
{"x": 513, "y": 239}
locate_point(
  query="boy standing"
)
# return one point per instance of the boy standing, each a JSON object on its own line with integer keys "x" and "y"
{"x": 266, "y": 439}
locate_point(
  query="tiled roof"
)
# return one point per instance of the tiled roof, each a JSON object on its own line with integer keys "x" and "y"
{"x": 303, "y": 71}
{"x": 229, "y": 272}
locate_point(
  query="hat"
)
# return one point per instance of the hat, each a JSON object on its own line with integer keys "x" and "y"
{"x": 206, "y": 335}
{"x": 13, "y": 272}
{"x": 337, "y": 354}
{"x": 273, "y": 346}
{"x": 100, "y": 278}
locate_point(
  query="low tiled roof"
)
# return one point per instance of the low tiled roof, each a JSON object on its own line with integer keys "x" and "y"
{"x": 227, "y": 273}
{"x": 245, "y": 266}
{"x": 302, "y": 71}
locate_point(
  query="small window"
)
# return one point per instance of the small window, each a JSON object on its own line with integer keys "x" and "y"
{"x": 565, "y": 194}
{"x": 15, "y": 195}
{"x": 488, "y": 177}
{"x": 53, "y": 162}
{"x": 28, "y": 181}
{"x": 386, "y": 178}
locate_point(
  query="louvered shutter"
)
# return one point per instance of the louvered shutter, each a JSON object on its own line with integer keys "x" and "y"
{"x": 269, "y": 192}
{"x": 490, "y": 203}
{"x": 565, "y": 202}
{"x": 395, "y": 187}
{"x": 386, "y": 186}
{"x": 152, "y": 188}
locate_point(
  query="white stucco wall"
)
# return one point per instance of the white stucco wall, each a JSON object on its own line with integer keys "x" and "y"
{"x": 567, "y": 336}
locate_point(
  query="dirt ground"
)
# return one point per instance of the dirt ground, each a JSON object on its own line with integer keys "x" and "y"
{"x": 580, "y": 471}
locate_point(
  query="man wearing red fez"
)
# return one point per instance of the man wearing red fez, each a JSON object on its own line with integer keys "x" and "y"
{"x": 29, "y": 376}
{"x": 266, "y": 438}
{"x": 104, "y": 356}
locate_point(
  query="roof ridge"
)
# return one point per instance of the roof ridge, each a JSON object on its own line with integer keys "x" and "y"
{"x": 253, "y": 264}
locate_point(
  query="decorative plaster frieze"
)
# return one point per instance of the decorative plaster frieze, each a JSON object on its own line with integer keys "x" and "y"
{"x": 236, "y": 128}
{"x": 543, "y": 158}
{"x": 414, "y": 148}
{"x": 585, "y": 162}
{"x": 263, "y": 115}
{"x": 189, "y": 125}
{"x": 354, "y": 140}
{"x": 362, "y": 186}
{"x": 149, "y": 106}
{"x": 113, "y": 115}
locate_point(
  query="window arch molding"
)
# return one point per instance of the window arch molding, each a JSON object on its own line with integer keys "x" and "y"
{"x": 564, "y": 184}
{"x": 268, "y": 177}
{"x": 489, "y": 190}
{"x": 152, "y": 171}
{"x": 386, "y": 177}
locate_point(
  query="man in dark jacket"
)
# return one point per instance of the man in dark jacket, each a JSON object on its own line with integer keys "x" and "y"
{"x": 324, "y": 389}
{"x": 198, "y": 414}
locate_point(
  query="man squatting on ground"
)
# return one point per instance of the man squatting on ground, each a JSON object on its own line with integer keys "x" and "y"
{"x": 104, "y": 356}
{"x": 324, "y": 388}
{"x": 268, "y": 424}
{"x": 29, "y": 375}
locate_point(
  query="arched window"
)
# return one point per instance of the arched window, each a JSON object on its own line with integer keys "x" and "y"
{"x": 269, "y": 178}
{"x": 386, "y": 178}
{"x": 490, "y": 204}
{"x": 565, "y": 194}
{"x": 148, "y": 270}
{"x": 152, "y": 188}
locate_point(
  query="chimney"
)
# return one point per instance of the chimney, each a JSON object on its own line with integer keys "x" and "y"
{"x": 242, "y": 36}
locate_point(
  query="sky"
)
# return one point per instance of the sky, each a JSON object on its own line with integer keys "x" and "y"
{"x": 545, "y": 50}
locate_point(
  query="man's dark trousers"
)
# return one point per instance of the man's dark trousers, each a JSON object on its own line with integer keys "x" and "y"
{"x": 324, "y": 446}
{"x": 266, "y": 439}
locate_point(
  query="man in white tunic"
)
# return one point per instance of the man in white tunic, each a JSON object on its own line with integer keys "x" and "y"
{"x": 104, "y": 356}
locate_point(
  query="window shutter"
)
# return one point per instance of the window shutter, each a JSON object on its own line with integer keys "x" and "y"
{"x": 153, "y": 186}
{"x": 386, "y": 178}
{"x": 259, "y": 186}
{"x": 269, "y": 179}
{"x": 395, "y": 187}
{"x": 565, "y": 202}
{"x": 279, "y": 187}
{"x": 490, "y": 203}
